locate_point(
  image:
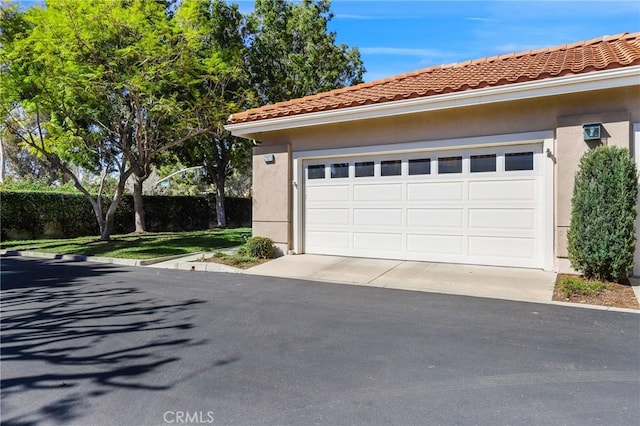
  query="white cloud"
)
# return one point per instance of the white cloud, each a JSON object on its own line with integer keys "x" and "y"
{"x": 478, "y": 19}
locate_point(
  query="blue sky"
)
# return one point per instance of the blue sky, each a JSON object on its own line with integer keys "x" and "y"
{"x": 395, "y": 37}
{"x": 402, "y": 36}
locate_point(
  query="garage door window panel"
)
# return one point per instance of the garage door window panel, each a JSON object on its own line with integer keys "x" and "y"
{"x": 391, "y": 168}
{"x": 420, "y": 166}
{"x": 315, "y": 171}
{"x": 518, "y": 161}
{"x": 483, "y": 163}
{"x": 364, "y": 169}
{"x": 339, "y": 170}
{"x": 447, "y": 165}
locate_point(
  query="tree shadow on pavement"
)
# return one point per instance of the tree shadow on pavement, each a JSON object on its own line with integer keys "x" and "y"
{"x": 72, "y": 327}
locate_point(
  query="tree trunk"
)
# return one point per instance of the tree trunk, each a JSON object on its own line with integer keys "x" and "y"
{"x": 97, "y": 210}
{"x": 107, "y": 225}
{"x": 3, "y": 164}
{"x": 221, "y": 213}
{"x": 106, "y": 228}
{"x": 138, "y": 204}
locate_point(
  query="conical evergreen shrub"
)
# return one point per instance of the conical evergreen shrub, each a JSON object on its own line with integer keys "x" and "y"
{"x": 601, "y": 237}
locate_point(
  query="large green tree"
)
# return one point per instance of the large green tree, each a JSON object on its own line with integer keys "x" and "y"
{"x": 110, "y": 85}
{"x": 281, "y": 50}
{"x": 293, "y": 54}
{"x": 104, "y": 81}
{"x": 215, "y": 31}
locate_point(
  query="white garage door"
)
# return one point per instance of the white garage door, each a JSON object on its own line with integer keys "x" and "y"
{"x": 481, "y": 206}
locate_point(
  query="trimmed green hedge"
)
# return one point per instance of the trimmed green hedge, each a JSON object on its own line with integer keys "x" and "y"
{"x": 28, "y": 215}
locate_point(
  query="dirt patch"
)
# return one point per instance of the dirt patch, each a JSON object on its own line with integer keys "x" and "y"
{"x": 615, "y": 295}
{"x": 236, "y": 262}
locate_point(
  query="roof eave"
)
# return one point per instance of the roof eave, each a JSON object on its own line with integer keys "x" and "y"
{"x": 597, "y": 80}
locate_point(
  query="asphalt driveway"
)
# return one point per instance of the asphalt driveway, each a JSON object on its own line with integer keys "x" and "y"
{"x": 86, "y": 343}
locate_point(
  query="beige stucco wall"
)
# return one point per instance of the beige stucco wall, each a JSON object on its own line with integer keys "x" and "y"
{"x": 617, "y": 109}
{"x": 272, "y": 194}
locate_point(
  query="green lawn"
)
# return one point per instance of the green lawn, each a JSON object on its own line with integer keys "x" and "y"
{"x": 137, "y": 246}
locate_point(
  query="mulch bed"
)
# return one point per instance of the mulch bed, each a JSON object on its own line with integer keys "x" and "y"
{"x": 235, "y": 263}
{"x": 616, "y": 295}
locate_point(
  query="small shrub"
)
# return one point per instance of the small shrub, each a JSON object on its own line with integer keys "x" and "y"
{"x": 242, "y": 251}
{"x": 601, "y": 237}
{"x": 576, "y": 285}
{"x": 261, "y": 247}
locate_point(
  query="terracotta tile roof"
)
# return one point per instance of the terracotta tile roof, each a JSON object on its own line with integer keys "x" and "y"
{"x": 578, "y": 58}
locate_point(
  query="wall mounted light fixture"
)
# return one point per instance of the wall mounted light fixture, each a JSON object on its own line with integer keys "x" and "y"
{"x": 592, "y": 132}
{"x": 269, "y": 158}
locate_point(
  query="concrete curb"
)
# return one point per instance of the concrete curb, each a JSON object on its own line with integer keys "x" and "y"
{"x": 184, "y": 265}
{"x": 597, "y": 307}
{"x": 74, "y": 257}
{"x": 148, "y": 262}
{"x": 206, "y": 267}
